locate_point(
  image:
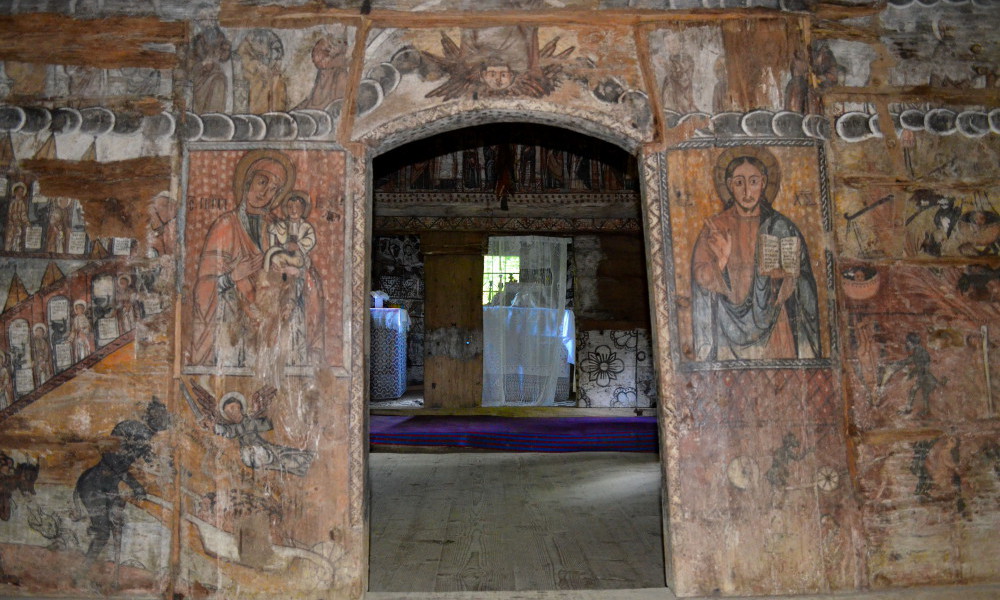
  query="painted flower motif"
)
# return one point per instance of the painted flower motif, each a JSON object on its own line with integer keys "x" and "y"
{"x": 624, "y": 397}
{"x": 602, "y": 366}
{"x": 626, "y": 339}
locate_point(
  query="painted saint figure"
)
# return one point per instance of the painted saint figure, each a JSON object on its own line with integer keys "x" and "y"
{"x": 127, "y": 304}
{"x": 753, "y": 291}
{"x": 329, "y": 55}
{"x": 294, "y": 235}
{"x": 260, "y": 53}
{"x": 677, "y": 91}
{"x": 233, "y": 255}
{"x": 80, "y": 332}
{"x": 291, "y": 241}
{"x": 17, "y": 218}
{"x": 210, "y": 49}
{"x": 41, "y": 352}
{"x": 162, "y": 224}
{"x": 231, "y": 419}
{"x": 7, "y": 396}
{"x": 55, "y": 237}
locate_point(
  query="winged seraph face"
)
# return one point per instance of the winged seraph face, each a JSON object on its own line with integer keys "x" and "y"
{"x": 497, "y": 77}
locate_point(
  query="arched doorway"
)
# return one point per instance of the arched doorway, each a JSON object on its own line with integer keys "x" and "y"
{"x": 561, "y": 569}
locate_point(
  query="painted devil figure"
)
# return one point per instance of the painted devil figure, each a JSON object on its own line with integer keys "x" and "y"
{"x": 231, "y": 418}
{"x": 99, "y": 491}
{"x": 99, "y": 496}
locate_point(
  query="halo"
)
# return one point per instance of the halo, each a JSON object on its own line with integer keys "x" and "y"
{"x": 19, "y": 184}
{"x": 760, "y": 153}
{"x": 80, "y": 303}
{"x": 301, "y": 194}
{"x": 233, "y": 396}
{"x": 38, "y": 326}
{"x": 247, "y": 161}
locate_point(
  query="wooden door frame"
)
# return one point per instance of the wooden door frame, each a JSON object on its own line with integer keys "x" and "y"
{"x": 651, "y": 164}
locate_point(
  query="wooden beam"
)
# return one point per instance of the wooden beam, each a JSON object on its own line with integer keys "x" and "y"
{"x": 515, "y": 210}
{"x": 235, "y": 13}
{"x": 883, "y": 181}
{"x": 641, "y": 35}
{"x": 137, "y": 178}
{"x": 879, "y": 437}
{"x": 922, "y": 93}
{"x": 838, "y": 10}
{"x": 109, "y": 43}
{"x": 348, "y": 110}
{"x": 823, "y": 29}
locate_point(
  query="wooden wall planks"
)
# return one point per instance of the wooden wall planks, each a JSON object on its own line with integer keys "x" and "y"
{"x": 453, "y": 363}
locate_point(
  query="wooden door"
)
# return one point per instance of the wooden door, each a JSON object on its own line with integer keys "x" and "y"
{"x": 453, "y": 319}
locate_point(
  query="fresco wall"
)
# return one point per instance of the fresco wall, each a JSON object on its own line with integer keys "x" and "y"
{"x": 84, "y": 390}
{"x": 186, "y": 209}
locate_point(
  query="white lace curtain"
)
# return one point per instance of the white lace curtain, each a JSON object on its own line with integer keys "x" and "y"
{"x": 528, "y": 334}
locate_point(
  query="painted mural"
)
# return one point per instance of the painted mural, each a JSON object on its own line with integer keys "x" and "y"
{"x": 264, "y": 70}
{"x": 82, "y": 82}
{"x": 232, "y": 417}
{"x": 73, "y": 295}
{"x": 748, "y": 232}
{"x": 923, "y": 222}
{"x": 705, "y": 68}
{"x": 36, "y": 225}
{"x": 921, "y": 376}
{"x": 944, "y": 46}
{"x": 587, "y": 67}
{"x": 905, "y": 349}
{"x": 243, "y": 474}
{"x": 265, "y": 264}
{"x": 252, "y": 506}
{"x": 99, "y": 525}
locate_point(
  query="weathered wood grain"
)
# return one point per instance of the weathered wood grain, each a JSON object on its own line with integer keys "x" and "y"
{"x": 95, "y": 181}
{"x": 235, "y": 13}
{"x": 117, "y": 42}
{"x": 453, "y": 272}
{"x": 923, "y": 93}
{"x": 515, "y": 521}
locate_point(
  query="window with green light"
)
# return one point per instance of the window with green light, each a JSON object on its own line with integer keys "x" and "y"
{"x": 497, "y": 272}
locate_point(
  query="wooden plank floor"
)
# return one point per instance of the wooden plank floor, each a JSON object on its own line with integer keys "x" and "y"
{"x": 980, "y": 592}
{"x": 515, "y": 521}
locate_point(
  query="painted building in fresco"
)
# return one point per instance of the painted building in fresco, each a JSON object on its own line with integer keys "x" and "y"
{"x": 185, "y": 215}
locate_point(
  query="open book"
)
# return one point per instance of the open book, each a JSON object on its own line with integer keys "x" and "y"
{"x": 779, "y": 253}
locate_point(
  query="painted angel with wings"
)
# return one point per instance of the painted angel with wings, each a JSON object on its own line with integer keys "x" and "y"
{"x": 231, "y": 418}
{"x": 482, "y": 71}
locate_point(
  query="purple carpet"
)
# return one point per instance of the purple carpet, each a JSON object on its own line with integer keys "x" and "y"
{"x": 519, "y": 434}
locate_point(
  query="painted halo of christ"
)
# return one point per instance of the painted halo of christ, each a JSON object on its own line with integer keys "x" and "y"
{"x": 753, "y": 290}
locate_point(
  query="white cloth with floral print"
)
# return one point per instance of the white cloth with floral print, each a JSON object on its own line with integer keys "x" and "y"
{"x": 615, "y": 369}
